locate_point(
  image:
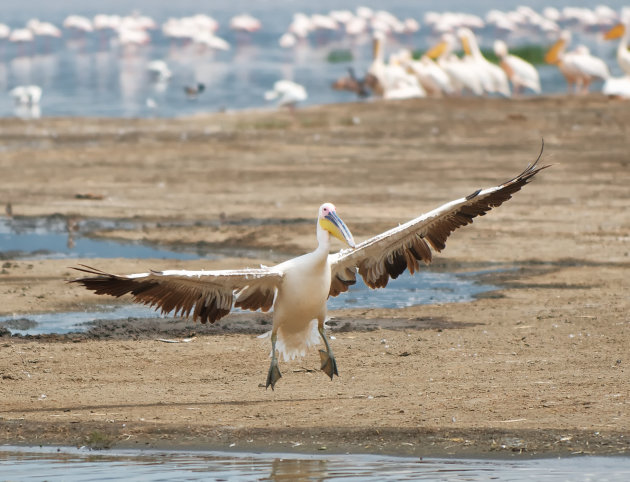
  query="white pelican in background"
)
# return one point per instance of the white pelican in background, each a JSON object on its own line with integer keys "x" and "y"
{"x": 522, "y": 74}
{"x": 26, "y": 99}
{"x": 620, "y": 86}
{"x": 297, "y": 289}
{"x": 492, "y": 76}
{"x": 431, "y": 76}
{"x": 459, "y": 73}
{"x": 391, "y": 81}
{"x": 621, "y": 30}
{"x": 579, "y": 67}
{"x": 287, "y": 93}
{"x": 26, "y": 95}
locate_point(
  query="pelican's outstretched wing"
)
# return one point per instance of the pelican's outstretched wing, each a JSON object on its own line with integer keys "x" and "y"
{"x": 206, "y": 295}
{"x": 390, "y": 253}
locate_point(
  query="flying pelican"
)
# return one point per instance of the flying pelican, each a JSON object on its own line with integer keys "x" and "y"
{"x": 520, "y": 72}
{"x": 297, "y": 289}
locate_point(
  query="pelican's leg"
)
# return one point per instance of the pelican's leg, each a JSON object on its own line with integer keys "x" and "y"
{"x": 274, "y": 372}
{"x": 329, "y": 364}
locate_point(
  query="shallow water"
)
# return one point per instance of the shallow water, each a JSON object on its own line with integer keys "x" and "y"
{"x": 54, "y": 237}
{"x": 68, "y": 464}
{"x": 93, "y": 76}
{"x": 425, "y": 287}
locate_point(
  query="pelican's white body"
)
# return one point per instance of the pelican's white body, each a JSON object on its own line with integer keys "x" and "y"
{"x": 301, "y": 301}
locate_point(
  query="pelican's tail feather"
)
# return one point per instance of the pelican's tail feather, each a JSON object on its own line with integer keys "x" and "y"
{"x": 294, "y": 344}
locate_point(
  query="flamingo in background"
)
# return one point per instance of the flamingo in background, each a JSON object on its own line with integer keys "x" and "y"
{"x": 22, "y": 37}
{"x": 245, "y": 23}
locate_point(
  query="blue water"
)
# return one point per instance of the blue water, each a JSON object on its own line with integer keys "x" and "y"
{"x": 67, "y": 464}
{"x": 52, "y": 238}
{"x": 425, "y": 287}
{"x": 93, "y": 77}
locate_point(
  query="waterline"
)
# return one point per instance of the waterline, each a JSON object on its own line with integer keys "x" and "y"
{"x": 69, "y": 464}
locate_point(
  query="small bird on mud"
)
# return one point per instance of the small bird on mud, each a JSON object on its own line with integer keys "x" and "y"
{"x": 298, "y": 289}
{"x": 192, "y": 92}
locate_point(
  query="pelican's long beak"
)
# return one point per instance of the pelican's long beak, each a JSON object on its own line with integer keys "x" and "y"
{"x": 436, "y": 51}
{"x": 465, "y": 45}
{"x": 335, "y": 226}
{"x": 615, "y": 32}
{"x": 551, "y": 57}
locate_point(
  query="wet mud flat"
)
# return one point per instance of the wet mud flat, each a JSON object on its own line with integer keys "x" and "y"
{"x": 536, "y": 367}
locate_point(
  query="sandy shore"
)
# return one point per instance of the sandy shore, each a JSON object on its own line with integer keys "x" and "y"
{"x": 537, "y": 367}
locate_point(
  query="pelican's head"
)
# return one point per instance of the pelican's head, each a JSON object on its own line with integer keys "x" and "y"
{"x": 500, "y": 48}
{"x": 329, "y": 221}
{"x": 615, "y": 32}
{"x": 466, "y": 37}
{"x": 553, "y": 54}
{"x": 445, "y": 46}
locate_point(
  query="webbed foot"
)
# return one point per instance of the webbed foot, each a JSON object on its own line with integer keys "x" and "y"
{"x": 329, "y": 364}
{"x": 273, "y": 375}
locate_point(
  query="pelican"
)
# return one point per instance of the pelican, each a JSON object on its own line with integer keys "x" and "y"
{"x": 623, "y": 55}
{"x": 433, "y": 79}
{"x": 579, "y": 67}
{"x": 26, "y": 95}
{"x": 492, "y": 76}
{"x": 520, "y": 72}
{"x": 620, "y": 86}
{"x": 458, "y": 72}
{"x": 287, "y": 93}
{"x": 391, "y": 81}
{"x": 297, "y": 289}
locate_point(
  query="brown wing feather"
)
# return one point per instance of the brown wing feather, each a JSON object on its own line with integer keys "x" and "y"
{"x": 205, "y": 300}
{"x": 402, "y": 248}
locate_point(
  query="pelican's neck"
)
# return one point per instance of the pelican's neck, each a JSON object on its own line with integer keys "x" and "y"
{"x": 377, "y": 50}
{"x": 623, "y": 43}
{"x": 469, "y": 38}
{"x": 474, "y": 47}
{"x": 323, "y": 241}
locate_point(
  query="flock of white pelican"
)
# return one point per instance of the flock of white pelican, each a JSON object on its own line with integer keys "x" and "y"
{"x": 298, "y": 289}
{"x": 439, "y": 72}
